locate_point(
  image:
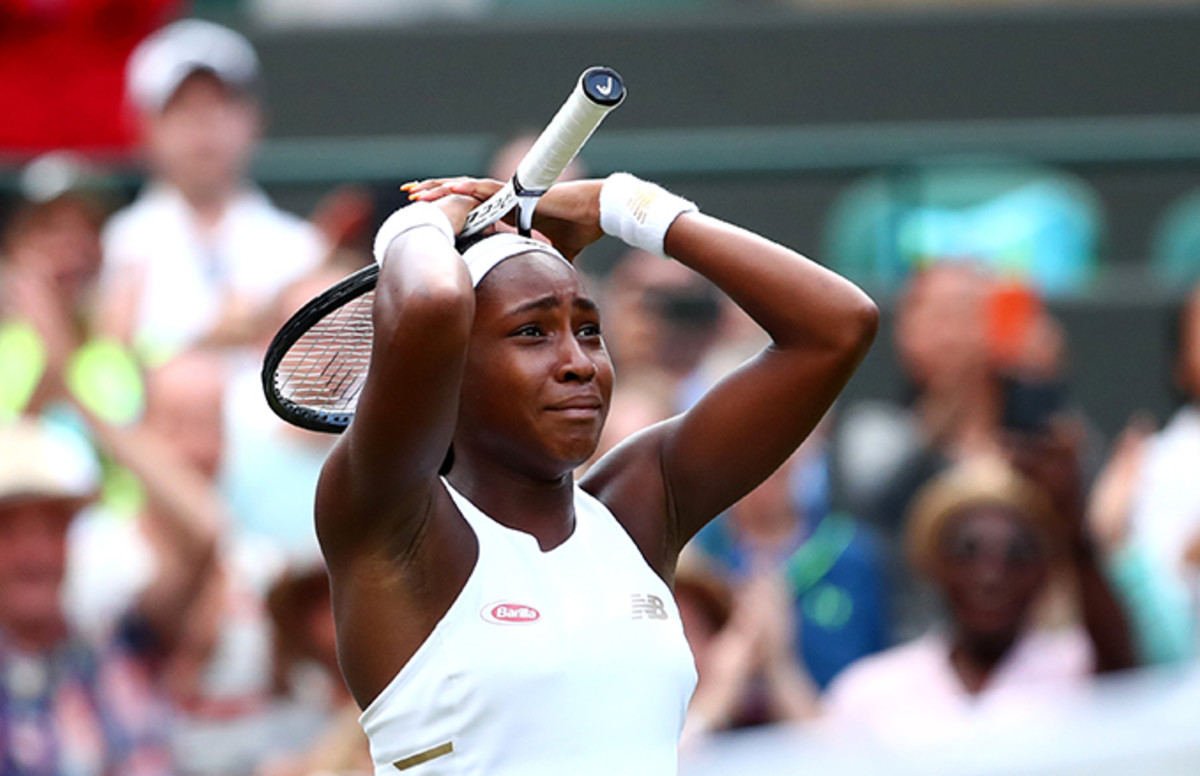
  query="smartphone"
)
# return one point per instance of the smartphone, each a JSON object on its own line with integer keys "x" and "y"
{"x": 1029, "y": 405}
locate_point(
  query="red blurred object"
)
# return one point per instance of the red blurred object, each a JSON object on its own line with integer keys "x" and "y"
{"x": 1013, "y": 311}
{"x": 62, "y": 72}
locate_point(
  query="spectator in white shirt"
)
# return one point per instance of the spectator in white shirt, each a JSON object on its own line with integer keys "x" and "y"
{"x": 1154, "y": 526}
{"x": 201, "y": 252}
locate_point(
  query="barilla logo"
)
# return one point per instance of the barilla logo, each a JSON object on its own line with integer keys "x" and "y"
{"x": 510, "y": 614}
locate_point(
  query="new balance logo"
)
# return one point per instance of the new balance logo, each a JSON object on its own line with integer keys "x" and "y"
{"x": 648, "y": 607}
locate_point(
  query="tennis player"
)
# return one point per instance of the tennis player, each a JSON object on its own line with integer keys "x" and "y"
{"x": 493, "y": 616}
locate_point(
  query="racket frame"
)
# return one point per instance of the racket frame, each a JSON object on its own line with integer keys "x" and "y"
{"x": 338, "y": 295}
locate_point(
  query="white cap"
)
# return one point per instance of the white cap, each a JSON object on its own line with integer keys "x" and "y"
{"x": 42, "y": 460}
{"x": 56, "y": 173}
{"x": 166, "y": 58}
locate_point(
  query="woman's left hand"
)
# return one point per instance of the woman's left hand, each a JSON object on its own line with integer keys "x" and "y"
{"x": 569, "y": 215}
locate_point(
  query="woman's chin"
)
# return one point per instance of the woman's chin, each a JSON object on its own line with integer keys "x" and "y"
{"x": 578, "y": 451}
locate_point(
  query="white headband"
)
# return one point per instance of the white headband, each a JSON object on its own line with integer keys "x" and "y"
{"x": 484, "y": 255}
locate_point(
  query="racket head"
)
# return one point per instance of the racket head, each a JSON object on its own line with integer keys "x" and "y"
{"x": 315, "y": 367}
{"x": 317, "y": 363}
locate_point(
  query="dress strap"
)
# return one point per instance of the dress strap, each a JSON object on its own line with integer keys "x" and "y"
{"x": 479, "y": 522}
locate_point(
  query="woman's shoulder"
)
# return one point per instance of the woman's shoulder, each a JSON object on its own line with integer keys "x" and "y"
{"x": 628, "y": 484}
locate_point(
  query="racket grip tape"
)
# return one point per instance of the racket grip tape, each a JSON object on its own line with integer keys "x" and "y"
{"x": 597, "y": 92}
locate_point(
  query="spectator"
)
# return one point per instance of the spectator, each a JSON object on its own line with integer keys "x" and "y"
{"x": 664, "y": 318}
{"x": 886, "y": 452}
{"x": 51, "y": 259}
{"x": 270, "y": 470}
{"x": 833, "y": 567}
{"x": 744, "y": 652}
{"x": 1161, "y": 610}
{"x": 989, "y": 538}
{"x": 66, "y": 705}
{"x": 221, "y": 668}
{"x": 201, "y": 251}
{"x": 940, "y": 340}
{"x": 1167, "y": 506}
{"x": 218, "y": 650}
{"x": 302, "y": 614}
{"x": 984, "y": 358}
{"x": 1155, "y": 525}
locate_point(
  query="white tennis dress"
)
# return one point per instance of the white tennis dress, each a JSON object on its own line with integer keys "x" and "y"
{"x": 570, "y": 662}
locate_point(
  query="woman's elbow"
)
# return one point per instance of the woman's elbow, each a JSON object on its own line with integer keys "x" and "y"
{"x": 864, "y": 317}
{"x": 857, "y": 323}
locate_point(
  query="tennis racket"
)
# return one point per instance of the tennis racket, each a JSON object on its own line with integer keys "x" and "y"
{"x": 316, "y": 365}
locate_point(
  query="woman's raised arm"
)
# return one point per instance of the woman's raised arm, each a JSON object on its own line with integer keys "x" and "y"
{"x": 666, "y": 482}
{"x": 380, "y": 477}
{"x": 692, "y": 467}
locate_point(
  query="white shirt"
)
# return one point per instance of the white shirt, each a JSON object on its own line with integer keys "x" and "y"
{"x": 911, "y": 693}
{"x": 1166, "y": 508}
{"x": 571, "y": 661}
{"x": 188, "y": 275}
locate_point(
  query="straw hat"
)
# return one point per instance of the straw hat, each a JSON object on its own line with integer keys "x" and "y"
{"x": 39, "y": 460}
{"x": 986, "y": 481}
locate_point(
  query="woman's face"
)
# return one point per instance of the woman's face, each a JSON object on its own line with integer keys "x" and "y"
{"x": 940, "y": 333}
{"x": 991, "y": 567}
{"x": 538, "y": 378}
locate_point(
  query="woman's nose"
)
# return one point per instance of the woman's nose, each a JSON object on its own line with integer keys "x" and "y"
{"x": 575, "y": 363}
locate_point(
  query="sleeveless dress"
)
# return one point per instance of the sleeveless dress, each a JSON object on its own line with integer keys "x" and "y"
{"x": 566, "y": 662}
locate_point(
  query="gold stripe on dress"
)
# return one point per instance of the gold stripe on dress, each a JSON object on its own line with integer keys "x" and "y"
{"x": 424, "y": 757}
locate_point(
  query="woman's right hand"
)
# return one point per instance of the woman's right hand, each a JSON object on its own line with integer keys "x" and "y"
{"x": 457, "y": 197}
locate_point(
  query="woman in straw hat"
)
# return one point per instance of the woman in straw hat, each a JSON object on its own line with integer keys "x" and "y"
{"x": 989, "y": 539}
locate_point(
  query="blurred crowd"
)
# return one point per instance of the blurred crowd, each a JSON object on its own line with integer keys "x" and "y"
{"x": 976, "y": 552}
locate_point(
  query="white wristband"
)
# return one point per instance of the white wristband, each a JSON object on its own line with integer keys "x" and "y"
{"x": 407, "y": 218}
{"x": 639, "y": 212}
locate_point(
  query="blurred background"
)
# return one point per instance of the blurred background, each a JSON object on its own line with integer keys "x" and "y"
{"x": 1015, "y": 182}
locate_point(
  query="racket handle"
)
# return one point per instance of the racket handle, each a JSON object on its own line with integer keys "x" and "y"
{"x": 598, "y": 91}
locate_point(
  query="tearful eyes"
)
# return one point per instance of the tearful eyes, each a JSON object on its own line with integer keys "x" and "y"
{"x": 587, "y": 330}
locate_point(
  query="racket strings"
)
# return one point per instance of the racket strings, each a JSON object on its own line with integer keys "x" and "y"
{"x": 324, "y": 370}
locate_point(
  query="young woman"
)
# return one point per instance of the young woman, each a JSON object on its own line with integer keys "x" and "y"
{"x": 503, "y": 619}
